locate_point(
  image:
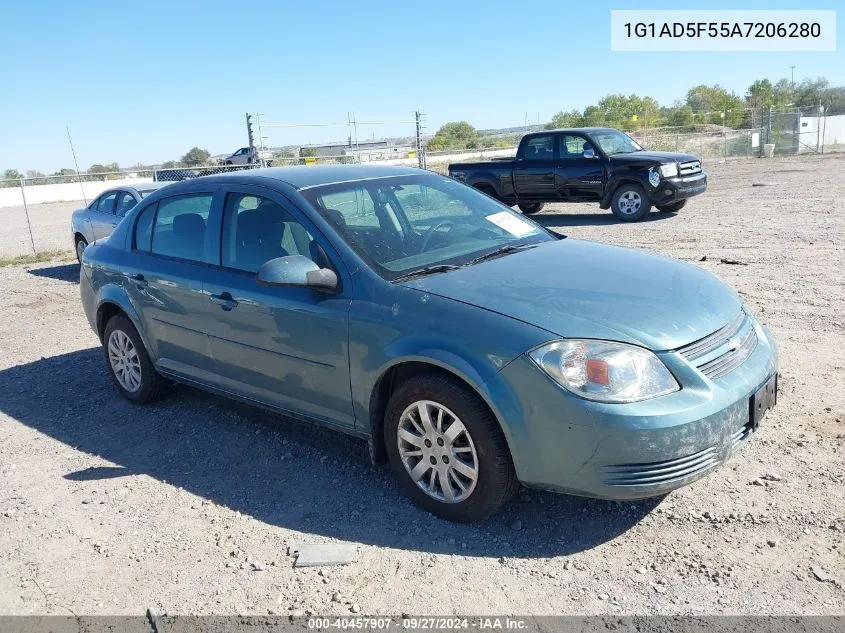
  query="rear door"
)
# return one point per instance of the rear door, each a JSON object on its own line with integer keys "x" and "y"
{"x": 102, "y": 218}
{"x": 284, "y": 346}
{"x": 174, "y": 243}
{"x": 534, "y": 169}
{"x": 578, "y": 177}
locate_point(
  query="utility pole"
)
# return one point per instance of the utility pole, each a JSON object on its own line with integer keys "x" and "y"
{"x": 420, "y": 152}
{"x": 249, "y": 131}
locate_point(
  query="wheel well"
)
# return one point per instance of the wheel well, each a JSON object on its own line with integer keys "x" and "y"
{"x": 384, "y": 387}
{"x": 485, "y": 187}
{"x": 104, "y": 313}
{"x": 77, "y": 236}
{"x": 605, "y": 204}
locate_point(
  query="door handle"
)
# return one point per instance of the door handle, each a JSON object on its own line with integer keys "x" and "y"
{"x": 224, "y": 300}
{"x": 138, "y": 279}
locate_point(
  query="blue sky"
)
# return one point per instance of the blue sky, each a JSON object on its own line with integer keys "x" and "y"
{"x": 145, "y": 81}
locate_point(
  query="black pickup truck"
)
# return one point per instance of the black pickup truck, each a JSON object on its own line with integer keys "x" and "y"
{"x": 588, "y": 165}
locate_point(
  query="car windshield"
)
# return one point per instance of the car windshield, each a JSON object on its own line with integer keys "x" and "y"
{"x": 403, "y": 224}
{"x": 613, "y": 142}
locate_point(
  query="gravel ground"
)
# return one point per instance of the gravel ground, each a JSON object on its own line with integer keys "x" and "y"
{"x": 189, "y": 506}
{"x": 50, "y": 224}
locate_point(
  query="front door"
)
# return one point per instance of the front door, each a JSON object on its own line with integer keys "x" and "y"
{"x": 103, "y": 219}
{"x": 173, "y": 243}
{"x": 282, "y": 346}
{"x": 578, "y": 176}
{"x": 534, "y": 169}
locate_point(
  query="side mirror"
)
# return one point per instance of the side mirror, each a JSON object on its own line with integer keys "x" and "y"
{"x": 588, "y": 153}
{"x": 296, "y": 270}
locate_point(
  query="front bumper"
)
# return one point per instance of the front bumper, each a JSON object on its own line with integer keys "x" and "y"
{"x": 628, "y": 451}
{"x": 679, "y": 188}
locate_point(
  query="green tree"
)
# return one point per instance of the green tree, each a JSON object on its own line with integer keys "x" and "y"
{"x": 714, "y": 104}
{"x": 679, "y": 115}
{"x": 562, "y": 119}
{"x": 454, "y": 135}
{"x": 760, "y": 95}
{"x": 9, "y": 175}
{"x": 171, "y": 164}
{"x": 195, "y": 157}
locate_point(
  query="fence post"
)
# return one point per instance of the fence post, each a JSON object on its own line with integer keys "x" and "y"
{"x": 725, "y": 135}
{"x": 420, "y": 153}
{"x": 26, "y": 213}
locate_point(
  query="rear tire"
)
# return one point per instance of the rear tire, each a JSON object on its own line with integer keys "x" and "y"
{"x": 461, "y": 465}
{"x": 630, "y": 202}
{"x": 672, "y": 208}
{"x": 531, "y": 209}
{"x": 129, "y": 364}
{"x": 81, "y": 245}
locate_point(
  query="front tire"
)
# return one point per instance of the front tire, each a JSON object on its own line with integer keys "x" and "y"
{"x": 81, "y": 245}
{"x": 531, "y": 209}
{"x": 672, "y": 208}
{"x": 129, "y": 364}
{"x": 447, "y": 449}
{"x": 630, "y": 202}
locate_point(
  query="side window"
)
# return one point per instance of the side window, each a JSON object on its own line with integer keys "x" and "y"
{"x": 256, "y": 230}
{"x": 180, "y": 226}
{"x": 572, "y": 146}
{"x": 106, "y": 204}
{"x": 352, "y": 208}
{"x": 124, "y": 203}
{"x": 144, "y": 228}
{"x": 539, "y": 148}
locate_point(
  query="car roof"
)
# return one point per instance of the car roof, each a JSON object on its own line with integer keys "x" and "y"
{"x": 582, "y": 130}
{"x": 149, "y": 186}
{"x": 306, "y": 176}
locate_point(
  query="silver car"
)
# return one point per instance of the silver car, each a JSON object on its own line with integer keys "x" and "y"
{"x": 99, "y": 218}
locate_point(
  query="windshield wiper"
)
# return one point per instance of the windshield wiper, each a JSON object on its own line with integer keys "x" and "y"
{"x": 426, "y": 270}
{"x": 502, "y": 250}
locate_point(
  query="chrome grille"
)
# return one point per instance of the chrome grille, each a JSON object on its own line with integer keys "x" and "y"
{"x": 732, "y": 359}
{"x": 711, "y": 342}
{"x": 690, "y": 168}
{"x": 662, "y": 472}
{"x": 725, "y": 349}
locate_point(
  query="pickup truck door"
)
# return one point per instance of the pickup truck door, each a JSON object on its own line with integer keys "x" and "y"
{"x": 534, "y": 169}
{"x": 577, "y": 176}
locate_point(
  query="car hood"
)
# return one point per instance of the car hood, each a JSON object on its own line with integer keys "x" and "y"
{"x": 580, "y": 289}
{"x": 657, "y": 157}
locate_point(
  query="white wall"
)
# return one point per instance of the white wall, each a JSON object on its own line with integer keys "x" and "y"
{"x": 814, "y": 130}
{"x": 62, "y": 192}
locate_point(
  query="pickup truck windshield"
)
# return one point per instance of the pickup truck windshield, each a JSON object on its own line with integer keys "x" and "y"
{"x": 613, "y": 142}
{"x": 403, "y": 224}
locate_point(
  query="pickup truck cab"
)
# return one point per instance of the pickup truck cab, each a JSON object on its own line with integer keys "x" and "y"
{"x": 588, "y": 165}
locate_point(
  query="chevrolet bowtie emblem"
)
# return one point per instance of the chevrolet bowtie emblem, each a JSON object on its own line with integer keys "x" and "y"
{"x": 733, "y": 344}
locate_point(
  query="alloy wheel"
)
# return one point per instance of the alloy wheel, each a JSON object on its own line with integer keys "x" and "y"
{"x": 437, "y": 451}
{"x": 124, "y": 361}
{"x": 630, "y": 202}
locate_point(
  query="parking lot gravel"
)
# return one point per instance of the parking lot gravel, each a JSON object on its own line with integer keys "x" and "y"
{"x": 189, "y": 506}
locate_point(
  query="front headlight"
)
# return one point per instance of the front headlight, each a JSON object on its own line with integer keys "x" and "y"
{"x": 669, "y": 171}
{"x": 605, "y": 371}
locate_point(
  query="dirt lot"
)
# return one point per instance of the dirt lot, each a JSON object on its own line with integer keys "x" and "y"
{"x": 188, "y": 506}
{"x": 50, "y": 225}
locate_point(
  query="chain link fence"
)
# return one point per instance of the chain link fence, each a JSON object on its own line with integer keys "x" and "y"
{"x": 35, "y": 210}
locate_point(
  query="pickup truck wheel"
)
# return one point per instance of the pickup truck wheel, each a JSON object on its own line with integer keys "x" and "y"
{"x": 447, "y": 449}
{"x": 672, "y": 208}
{"x": 531, "y": 209}
{"x": 630, "y": 203}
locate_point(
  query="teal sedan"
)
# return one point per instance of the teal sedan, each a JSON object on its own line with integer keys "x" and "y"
{"x": 470, "y": 347}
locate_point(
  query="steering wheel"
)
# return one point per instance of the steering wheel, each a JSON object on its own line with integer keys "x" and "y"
{"x": 430, "y": 233}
